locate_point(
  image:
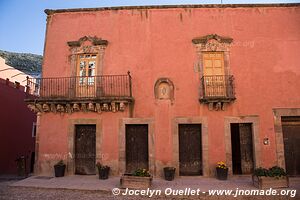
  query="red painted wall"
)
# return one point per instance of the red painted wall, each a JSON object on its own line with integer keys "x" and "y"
{"x": 16, "y": 122}
{"x": 155, "y": 43}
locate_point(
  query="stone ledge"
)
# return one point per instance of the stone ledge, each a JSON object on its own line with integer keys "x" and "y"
{"x": 50, "y": 11}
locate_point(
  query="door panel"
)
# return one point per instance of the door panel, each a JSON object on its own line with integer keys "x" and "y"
{"x": 291, "y": 139}
{"x": 85, "y": 149}
{"x": 236, "y": 148}
{"x": 136, "y": 147}
{"x": 246, "y": 146}
{"x": 190, "y": 149}
{"x": 242, "y": 148}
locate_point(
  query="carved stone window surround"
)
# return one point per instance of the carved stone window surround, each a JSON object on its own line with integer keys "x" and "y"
{"x": 213, "y": 43}
{"x": 87, "y": 45}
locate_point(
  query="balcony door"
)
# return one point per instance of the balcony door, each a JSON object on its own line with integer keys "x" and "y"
{"x": 86, "y": 72}
{"x": 214, "y": 75}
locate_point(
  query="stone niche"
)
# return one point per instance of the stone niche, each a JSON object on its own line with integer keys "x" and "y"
{"x": 164, "y": 89}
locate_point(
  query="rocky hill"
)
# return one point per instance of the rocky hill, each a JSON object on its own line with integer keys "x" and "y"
{"x": 25, "y": 62}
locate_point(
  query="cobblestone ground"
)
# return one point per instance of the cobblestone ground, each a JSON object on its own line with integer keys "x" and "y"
{"x": 23, "y": 193}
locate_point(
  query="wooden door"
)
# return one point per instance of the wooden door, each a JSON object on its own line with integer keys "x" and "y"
{"x": 214, "y": 74}
{"x": 246, "y": 148}
{"x": 190, "y": 149}
{"x": 242, "y": 148}
{"x": 86, "y": 72}
{"x": 85, "y": 149}
{"x": 136, "y": 147}
{"x": 291, "y": 139}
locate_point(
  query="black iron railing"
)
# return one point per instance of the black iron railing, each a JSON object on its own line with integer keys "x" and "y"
{"x": 80, "y": 87}
{"x": 217, "y": 88}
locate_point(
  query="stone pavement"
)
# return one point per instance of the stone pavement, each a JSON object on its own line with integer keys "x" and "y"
{"x": 92, "y": 183}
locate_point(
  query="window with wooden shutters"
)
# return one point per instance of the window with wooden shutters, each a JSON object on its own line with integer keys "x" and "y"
{"x": 213, "y": 74}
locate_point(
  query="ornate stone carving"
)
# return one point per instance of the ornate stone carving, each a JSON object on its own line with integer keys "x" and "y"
{"x": 69, "y": 108}
{"x": 87, "y": 44}
{"x": 206, "y": 38}
{"x": 76, "y": 107}
{"x": 98, "y": 107}
{"x": 46, "y": 107}
{"x": 53, "y": 107}
{"x": 218, "y": 106}
{"x": 164, "y": 89}
{"x": 94, "y": 40}
{"x": 83, "y": 107}
{"x": 91, "y": 107}
{"x": 105, "y": 107}
{"x": 39, "y": 107}
{"x": 224, "y": 106}
{"x": 60, "y": 108}
{"x": 211, "y": 106}
{"x": 113, "y": 106}
{"x": 122, "y": 106}
{"x": 32, "y": 108}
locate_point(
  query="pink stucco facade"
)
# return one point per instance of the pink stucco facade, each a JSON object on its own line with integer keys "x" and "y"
{"x": 156, "y": 42}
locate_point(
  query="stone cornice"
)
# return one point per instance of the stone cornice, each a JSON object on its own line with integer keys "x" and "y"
{"x": 50, "y": 11}
{"x": 94, "y": 40}
{"x": 205, "y": 39}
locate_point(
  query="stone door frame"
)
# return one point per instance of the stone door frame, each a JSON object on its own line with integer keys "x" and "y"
{"x": 254, "y": 120}
{"x": 278, "y": 113}
{"x": 71, "y": 141}
{"x": 122, "y": 142}
{"x": 204, "y": 136}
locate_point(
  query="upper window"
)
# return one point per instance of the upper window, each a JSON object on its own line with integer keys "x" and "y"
{"x": 213, "y": 74}
{"x": 87, "y": 69}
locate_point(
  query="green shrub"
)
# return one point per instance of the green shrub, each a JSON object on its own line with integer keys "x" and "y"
{"x": 274, "y": 171}
{"x": 141, "y": 172}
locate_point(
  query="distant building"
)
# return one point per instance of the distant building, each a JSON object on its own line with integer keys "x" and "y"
{"x": 207, "y": 83}
{"x": 11, "y": 73}
{"x": 17, "y": 129}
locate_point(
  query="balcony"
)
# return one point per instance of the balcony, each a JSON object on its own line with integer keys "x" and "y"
{"x": 217, "y": 89}
{"x": 79, "y": 93}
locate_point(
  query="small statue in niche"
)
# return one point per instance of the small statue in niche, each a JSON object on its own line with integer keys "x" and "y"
{"x": 164, "y": 91}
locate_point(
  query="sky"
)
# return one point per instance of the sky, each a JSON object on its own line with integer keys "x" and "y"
{"x": 23, "y": 22}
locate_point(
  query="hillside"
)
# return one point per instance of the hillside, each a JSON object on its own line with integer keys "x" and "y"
{"x": 25, "y": 62}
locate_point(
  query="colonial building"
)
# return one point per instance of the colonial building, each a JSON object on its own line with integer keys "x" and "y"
{"x": 184, "y": 86}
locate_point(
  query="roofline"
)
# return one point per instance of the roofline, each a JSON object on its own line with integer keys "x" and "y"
{"x": 50, "y": 11}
